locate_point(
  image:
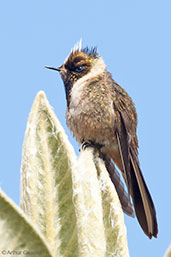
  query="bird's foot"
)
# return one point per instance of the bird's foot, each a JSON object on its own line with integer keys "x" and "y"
{"x": 92, "y": 144}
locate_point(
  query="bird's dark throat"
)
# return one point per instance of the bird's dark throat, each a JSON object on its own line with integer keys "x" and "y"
{"x": 68, "y": 86}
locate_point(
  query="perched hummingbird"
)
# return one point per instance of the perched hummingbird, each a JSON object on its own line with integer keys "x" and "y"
{"x": 101, "y": 114}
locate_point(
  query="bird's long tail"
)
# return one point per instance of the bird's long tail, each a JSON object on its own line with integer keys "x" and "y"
{"x": 119, "y": 186}
{"x": 129, "y": 165}
{"x": 143, "y": 203}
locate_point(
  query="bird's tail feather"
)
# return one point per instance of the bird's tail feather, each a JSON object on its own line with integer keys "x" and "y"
{"x": 143, "y": 203}
{"x": 122, "y": 194}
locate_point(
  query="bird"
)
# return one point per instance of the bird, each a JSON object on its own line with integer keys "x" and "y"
{"x": 101, "y": 114}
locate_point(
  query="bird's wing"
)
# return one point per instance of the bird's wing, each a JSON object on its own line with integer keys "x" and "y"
{"x": 122, "y": 139}
{"x": 143, "y": 204}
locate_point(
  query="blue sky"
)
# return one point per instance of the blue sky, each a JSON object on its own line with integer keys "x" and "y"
{"x": 134, "y": 39}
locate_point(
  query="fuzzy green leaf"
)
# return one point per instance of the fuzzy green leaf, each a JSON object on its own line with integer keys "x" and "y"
{"x": 88, "y": 207}
{"x": 46, "y": 182}
{"x": 73, "y": 203}
{"x": 17, "y": 235}
{"x": 113, "y": 219}
{"x": 100, "y": 220}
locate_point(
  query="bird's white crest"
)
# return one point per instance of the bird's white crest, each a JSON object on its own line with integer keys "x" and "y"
{"x": 77, "y": 47}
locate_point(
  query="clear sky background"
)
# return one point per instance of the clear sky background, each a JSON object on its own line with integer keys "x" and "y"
{"x": 134, "y": 38}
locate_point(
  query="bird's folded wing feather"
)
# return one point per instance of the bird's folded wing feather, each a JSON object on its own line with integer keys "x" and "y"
{"x": 137, "y": 188}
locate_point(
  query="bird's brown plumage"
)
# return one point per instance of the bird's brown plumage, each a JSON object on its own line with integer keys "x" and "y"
{"x": 129, "y": 165}
{"x": 100, "y": 111}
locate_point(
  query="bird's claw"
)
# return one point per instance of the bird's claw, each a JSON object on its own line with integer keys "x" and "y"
{"x": 90, "y": 143}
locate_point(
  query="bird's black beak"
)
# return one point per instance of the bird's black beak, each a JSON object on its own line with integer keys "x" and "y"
{"x": 53, "y": 68}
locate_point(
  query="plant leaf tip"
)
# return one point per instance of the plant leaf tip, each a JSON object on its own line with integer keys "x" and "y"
{"x": 41, "y": 94}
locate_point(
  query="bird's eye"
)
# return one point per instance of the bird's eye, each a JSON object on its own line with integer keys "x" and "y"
{"x": 79, "y": 68}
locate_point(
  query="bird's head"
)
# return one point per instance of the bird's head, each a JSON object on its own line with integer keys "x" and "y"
{"x": 81, "y": 63}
